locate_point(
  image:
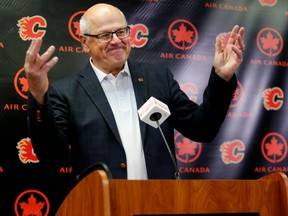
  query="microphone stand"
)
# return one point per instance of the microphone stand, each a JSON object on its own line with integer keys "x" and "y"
{"x": 87, "y": 171}
{"x": 91, "y": 168}
{"x": 155, "y": 117}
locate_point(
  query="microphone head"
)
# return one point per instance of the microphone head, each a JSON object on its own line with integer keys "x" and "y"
{"x": 155, "y": 116}
{"x": 154, "y": 110}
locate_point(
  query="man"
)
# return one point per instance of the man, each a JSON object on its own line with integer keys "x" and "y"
{"x": 93, "y": 114}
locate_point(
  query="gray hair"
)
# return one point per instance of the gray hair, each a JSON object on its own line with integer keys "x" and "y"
{"x": 84, "y": 26}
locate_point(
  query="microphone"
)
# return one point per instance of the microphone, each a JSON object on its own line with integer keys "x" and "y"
{"x": 154, "y": 113}
{"x": 92, "y": 167}
{"x": 155, "y": 108}
{"x": 88, "y": 170}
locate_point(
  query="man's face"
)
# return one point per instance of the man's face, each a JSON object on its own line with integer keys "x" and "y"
{"x": 108, "y": 56}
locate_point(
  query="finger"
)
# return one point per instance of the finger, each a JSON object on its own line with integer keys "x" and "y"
{"x": 238, "y": 52}
{"x": 27, "y": 62}
{"x": 47, "y": 54}
{"x": 233, "y": 35}
{"x": 37, "y": 46}
{"x": 28, "y": 52}
{"x": 48, "y": 65}
{"x": 240, "y": 39}
{"x": 218, "y": 45}
{"x": 241, "y": 32}
{"x": 240, "y": 43}
{"x": 33, "y": 50}
{"x": 43, "y": 59}
{"x": 32, "y": 54}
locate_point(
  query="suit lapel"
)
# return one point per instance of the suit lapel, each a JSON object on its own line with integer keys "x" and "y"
{"x": 89, "y": 81}
{"x": 139, "y": 80}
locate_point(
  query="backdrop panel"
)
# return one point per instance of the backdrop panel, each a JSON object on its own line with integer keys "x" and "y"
{"x": 253, "y": 139}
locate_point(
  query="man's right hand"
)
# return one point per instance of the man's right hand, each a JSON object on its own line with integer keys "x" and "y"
{"x": 37, "y": 67}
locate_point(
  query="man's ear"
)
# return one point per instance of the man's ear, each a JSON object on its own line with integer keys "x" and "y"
{"x": 83, "y": 40}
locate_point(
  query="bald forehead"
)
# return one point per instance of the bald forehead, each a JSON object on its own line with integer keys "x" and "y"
{"x": 103, "y": 13}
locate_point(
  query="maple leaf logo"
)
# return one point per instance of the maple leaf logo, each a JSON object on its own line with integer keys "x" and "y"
{"x": 237, "y": 95}
{"x": 274, "y": 147}
{"x": 186, "y": 148}
{"x": 74, "y": 25}
{"x": 269, "y": 42}
{"x": 21, "y": 84}
{"x": 32, "y": 207}
{"x": 183, "y": 34}
{"x": 187, "y": 151}
{"x": 32, "y": 202}
{"x": 23, "y": 81}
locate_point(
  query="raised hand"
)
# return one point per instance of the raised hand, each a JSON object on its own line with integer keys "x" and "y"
{"x": 228, "y": 59}
{"x": 36, "y": 68}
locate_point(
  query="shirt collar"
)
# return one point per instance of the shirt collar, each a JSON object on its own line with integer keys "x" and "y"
{"x": 101, "y": 75}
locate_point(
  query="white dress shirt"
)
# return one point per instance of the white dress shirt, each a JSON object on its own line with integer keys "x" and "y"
{"x": 120, "y": 94}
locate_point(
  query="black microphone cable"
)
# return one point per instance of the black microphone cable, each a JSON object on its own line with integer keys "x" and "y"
{"x": 92, "y": 167}
{"x": 155, "y": 117}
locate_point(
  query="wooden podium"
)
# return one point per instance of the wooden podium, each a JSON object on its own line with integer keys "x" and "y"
{"x": 96, "y": 195}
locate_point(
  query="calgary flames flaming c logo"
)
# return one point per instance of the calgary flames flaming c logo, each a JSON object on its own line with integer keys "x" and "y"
{"x": 268, "y": 2}
{"x": 232, "y": 152}
{"x": 32, "y": 27}
{"x": 273, "y": 98}
{"x": 26, "y": 152}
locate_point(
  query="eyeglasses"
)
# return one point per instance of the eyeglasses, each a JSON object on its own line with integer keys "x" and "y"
{"x": 107, "y": 36}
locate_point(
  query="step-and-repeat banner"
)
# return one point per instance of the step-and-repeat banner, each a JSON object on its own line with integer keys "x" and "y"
{"x": 180, "y": 34}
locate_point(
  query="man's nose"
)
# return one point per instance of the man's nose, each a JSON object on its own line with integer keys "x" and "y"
{"x": 115, "y": 37}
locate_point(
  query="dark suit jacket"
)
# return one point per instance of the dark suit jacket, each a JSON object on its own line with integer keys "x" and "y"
{"x": 77, "y": 118}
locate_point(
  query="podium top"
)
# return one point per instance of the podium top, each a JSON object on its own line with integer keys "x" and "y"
{"x": 96, "y": 195}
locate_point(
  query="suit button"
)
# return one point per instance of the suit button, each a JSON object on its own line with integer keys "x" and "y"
{"x": 122, "y": 165}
